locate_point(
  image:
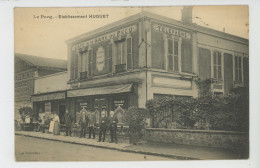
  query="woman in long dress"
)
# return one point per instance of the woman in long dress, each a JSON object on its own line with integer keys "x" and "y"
{"x": 56, "y": 129}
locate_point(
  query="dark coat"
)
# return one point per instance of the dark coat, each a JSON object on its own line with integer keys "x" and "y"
{"x": 104, "y": 122}
{"x": 113, "y": 121}
{"x": 68, "y": 119}
{"x": 81, "y": 120}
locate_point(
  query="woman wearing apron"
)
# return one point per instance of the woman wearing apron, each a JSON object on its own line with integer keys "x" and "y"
{"x": 56, "y": 129}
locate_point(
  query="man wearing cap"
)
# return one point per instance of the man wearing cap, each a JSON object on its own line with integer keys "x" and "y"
{"x": 113, "y": 126}
{"x": 103, "y": 126}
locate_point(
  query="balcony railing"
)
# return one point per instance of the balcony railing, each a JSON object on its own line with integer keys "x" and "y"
{"x": 120, "y": 68}
{"x": 83, "y": 75}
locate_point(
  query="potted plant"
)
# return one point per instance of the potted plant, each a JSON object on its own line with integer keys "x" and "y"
{"x": 135, "y": 118}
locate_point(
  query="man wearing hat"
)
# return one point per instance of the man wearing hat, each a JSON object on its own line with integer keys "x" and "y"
{"x": 103, "y": 126}
{"x": 83, "y": 122}
{"x": 67, "y": 121}
{"x": 113, "y": 126}
{"x": 92, "y": 122}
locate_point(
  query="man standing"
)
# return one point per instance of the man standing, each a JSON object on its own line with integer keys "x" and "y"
{"x": 83, "y": 122}
{"x": 92, "y": 122}
{"x": 113, "y": 126}
{"x": 103, "y": 126}
{"x": 67, "y": 121}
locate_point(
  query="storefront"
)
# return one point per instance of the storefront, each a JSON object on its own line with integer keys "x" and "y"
{"x": 107, "y": 98}
{"x": 49, "y": 103}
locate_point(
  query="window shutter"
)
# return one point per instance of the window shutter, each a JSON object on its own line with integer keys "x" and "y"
{"x": 110, "y": 57}
{"x": 90, "y": 62}
{"x": 129, "y": 53}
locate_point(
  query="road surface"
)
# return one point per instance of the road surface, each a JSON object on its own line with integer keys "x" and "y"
{"x": 34, "y": 149}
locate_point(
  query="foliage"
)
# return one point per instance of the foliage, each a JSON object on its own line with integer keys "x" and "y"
{"x": 26, "y": 111}
{"x": 229, "y": 112}
{"x": 135, "y": 118}
{"x": 204, "y": 87}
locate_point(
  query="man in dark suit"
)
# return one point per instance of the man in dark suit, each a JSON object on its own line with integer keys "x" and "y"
{"x": 83, "y": 122}
{"x": 113, "y": 126}
{"x": 91, "y": 126}
{"x": 67, "y": 121}
{"x": 103, "y": 126}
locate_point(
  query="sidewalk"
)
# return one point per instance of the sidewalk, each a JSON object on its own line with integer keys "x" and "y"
{"x": 175, "y": 151}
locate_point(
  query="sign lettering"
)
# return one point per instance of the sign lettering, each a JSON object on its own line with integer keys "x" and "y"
{"x": 105, "y": 37}
{"x": 171, "y": 31}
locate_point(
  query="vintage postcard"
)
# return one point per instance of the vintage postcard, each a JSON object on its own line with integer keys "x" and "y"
{"x": 131, "y": 83}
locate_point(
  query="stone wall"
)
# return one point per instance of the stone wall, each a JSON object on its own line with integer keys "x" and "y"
{"x": 208, "y": 138}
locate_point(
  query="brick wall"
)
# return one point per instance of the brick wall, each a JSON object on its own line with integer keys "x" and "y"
{"x": 208, "y": 138}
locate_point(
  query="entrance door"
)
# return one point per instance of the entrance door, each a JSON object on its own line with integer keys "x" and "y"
{"x": 62, "y": 110}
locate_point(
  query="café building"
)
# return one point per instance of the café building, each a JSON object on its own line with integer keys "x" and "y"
{"x": 146, "y": 56}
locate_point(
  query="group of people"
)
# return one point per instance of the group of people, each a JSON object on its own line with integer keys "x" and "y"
{"x": 51, "y": 122}
{"x": 105, "y": 123}
{"x": 85, "y": 121}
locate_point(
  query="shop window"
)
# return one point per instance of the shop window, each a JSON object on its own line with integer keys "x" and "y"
{"x": 217, "y": 65}
{"x": 238, "y": 69}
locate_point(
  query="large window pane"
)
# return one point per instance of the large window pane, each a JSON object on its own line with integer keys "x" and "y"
{"x": 176, "y": 67}
{"x": 176, "y": 47}
{"x": 170, "y": 60}
{"x": 170, "y": 47}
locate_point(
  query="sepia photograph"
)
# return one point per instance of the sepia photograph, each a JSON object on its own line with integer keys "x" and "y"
{"x": 161, "y": 83}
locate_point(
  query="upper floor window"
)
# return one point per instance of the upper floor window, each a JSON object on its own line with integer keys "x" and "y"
{"x": 172, "y": 50}
{"x": 173, "y": 55}
{"x": 123, "y": 54}
{"x": 75, "y": 67}
{"x": 238, "y": 69}
{"x": 217, "y": 65}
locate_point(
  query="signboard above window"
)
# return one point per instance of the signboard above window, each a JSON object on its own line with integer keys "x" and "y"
{"x": 105, "y": 37}
{"x": 171, "y": 31}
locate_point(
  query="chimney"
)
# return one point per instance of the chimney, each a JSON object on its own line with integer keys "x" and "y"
{"x": 186, "y": 14}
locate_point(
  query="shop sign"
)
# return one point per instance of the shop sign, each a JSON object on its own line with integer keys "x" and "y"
{"x": 47, "y": 107}
{"x": 119, "y": 103}
{"x": 168, "y": 30}
{"x": 100, "y": 58}
{"x": 83, "y": 105}
{"x": 105, "y": 37}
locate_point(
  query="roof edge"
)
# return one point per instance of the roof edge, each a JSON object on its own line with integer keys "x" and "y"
{"x": 192, "y": 27}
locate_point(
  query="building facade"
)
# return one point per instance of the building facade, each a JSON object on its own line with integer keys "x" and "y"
{"x": 50, "y": 94}
{"x": 146, "y": 56}
{"x": 27, "y": 69}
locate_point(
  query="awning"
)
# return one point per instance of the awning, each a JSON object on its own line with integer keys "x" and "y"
{"x": 49, "y": 96}
{"x": 100, "y": 90}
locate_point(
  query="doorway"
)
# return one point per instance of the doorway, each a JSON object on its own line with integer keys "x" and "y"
{"x": 62, "y": 110}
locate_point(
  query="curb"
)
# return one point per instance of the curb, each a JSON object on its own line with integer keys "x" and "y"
{"x": 179, "y": 157}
